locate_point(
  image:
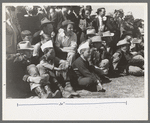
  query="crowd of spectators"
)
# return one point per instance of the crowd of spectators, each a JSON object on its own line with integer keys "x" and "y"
{"x": 52, "y": 51}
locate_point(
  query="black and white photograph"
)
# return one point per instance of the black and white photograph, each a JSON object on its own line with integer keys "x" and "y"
{"x": 80, "y": 51}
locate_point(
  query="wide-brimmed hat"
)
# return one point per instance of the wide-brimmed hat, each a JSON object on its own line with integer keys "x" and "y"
{"x": 88, "y": 8}
{"x": 90, "y": 32}
{"x": 136, "y": 41}
{"x": 48, "y": 44}
{"x": 99, "y": 9}
{"x": 96, "y": 39}
{"x": 122, "y": 42}
{"x": 24, "y": 45}
{"x": 107, "y": 34}
{"x": 141, "y": 31}
{"x": 45, "y": 21}
{"x": 66, "y": 22}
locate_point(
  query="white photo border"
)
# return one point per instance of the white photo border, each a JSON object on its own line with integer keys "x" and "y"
{"x": 128, "y": 109}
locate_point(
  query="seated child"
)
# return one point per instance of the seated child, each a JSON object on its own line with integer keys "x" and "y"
{"x": 45, "y": 71}
{"x": 88, "y": 76}
{"x": 26, "y": 36}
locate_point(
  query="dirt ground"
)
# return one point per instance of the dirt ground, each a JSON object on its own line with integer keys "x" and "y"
{"x": 120, "y": 87}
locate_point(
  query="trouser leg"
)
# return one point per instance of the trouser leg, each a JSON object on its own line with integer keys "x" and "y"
{"x": 40, "y": 92}
{"x": 87, "y": 83}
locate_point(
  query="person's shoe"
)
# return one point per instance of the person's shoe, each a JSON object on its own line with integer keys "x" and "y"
{"x": 68, "y": 87}
{"x": 103, "y": 90}
{"x": 57, "y": 94}
{"x": 105, "y": 79}
{"x": 100, "y": 88}
{"x": 49, "y": 95}
{"x": 66, "y": 94}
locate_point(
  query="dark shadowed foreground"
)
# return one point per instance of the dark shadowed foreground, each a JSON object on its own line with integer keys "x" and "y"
{"x": 120, "y": 87}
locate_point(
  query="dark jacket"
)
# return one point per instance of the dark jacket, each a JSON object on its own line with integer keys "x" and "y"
{"x": 110, "y": 24}
{"x": 117, "y": 58}
{"x": 83, "y": 69}
{"x": 58, "y": 19}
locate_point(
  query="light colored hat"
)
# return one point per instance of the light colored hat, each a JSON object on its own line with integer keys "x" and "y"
{"x": 48, "y": 44}
{"x": 107, "y": 34}
{"x": 141, "y": 31}
{"x": 96, "y": 39}
{"x": 83, "y": 46}
{"x": 66, "y": 22}
{"x": 24, "y": 45}
{"x": 122, "y": 42}
{"x": 136, "y": 41}
{"x": 90, "y": 32}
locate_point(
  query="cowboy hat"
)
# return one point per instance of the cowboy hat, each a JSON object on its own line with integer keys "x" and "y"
{"x": 47, "y": 44}
{"x": 136, "y": 41}
{"x": 45, "y": 21}
{"x": 96, "y": 39}
{"x": 122, "y": 42}
{"x": 90, "y": 32}
{"x": 24, "y": 45}
{"x": 107, "y": 34}
{"x": 66, "y": 22}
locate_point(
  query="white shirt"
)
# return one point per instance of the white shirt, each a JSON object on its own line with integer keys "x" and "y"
{"x": 101, "y": 26}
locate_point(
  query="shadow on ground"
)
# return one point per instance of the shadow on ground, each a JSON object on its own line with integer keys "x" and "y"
{"x": 120, "y": 87}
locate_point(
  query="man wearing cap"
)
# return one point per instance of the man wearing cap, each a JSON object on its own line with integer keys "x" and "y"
{"x": 66, "y": 42}
{"x": 15, "y": 67}
{"x": 123, "y": 60}
{"x": 86, "y": 76}
{"x": 45, "y": 32}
